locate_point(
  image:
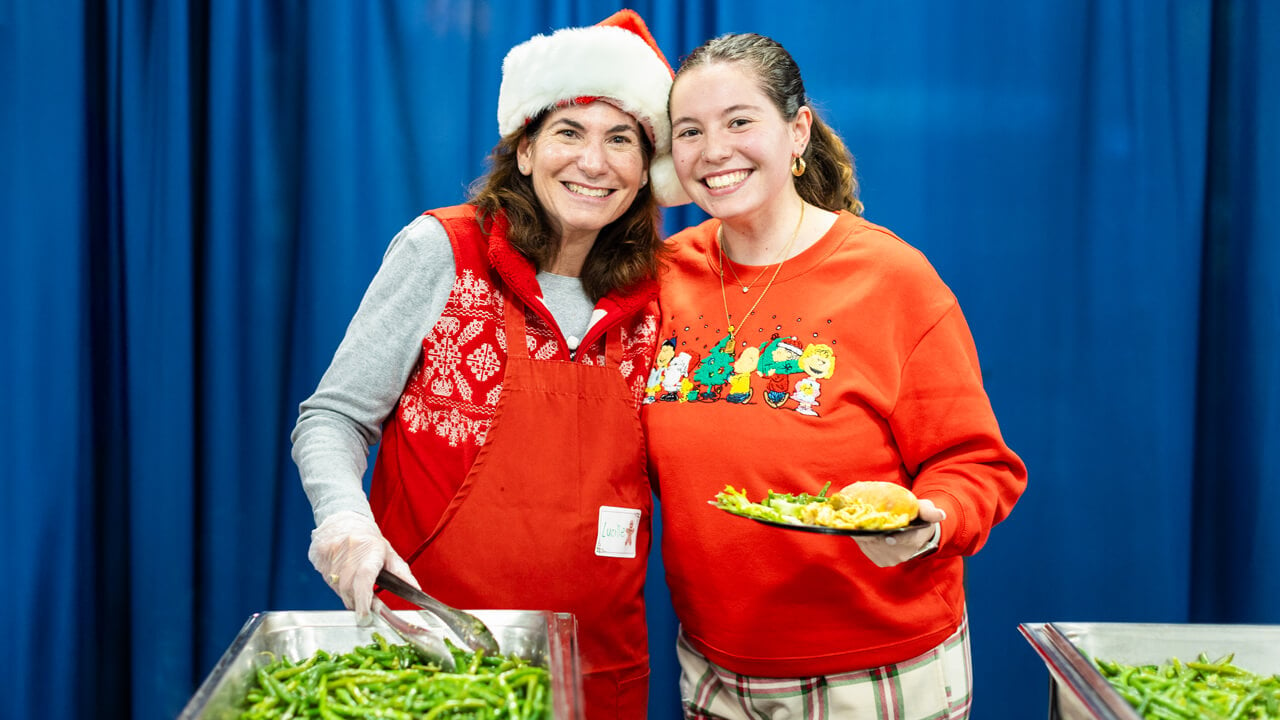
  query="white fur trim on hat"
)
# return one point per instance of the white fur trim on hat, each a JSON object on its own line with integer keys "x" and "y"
{"x": 666, "y": 186}
{"x": 595, "y": 61}
{"x": 587, "y": 61}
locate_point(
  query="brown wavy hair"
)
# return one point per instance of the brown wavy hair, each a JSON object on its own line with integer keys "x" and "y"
{"x": 830, "y": 179}
{"x": 627, "y": 250}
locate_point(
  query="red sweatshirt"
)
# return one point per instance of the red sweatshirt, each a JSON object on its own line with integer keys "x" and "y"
{"x": 866, "y": 370}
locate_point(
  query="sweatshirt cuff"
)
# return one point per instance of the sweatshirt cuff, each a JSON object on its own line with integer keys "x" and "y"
{"x": 948, "y": 527}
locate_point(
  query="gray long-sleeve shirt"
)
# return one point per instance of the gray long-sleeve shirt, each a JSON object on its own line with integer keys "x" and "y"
{"x": 343, "y": 418}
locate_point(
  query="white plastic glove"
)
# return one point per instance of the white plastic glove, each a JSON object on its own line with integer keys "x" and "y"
{"x": 897, "y": 548}
{"x": 349, "y": 550}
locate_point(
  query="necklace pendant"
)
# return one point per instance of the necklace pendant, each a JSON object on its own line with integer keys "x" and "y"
{"x": 745, "y": 289}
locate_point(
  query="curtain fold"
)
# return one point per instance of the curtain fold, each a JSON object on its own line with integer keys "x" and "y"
{"x": 150, "y": 222}
{"x": 1239, "y": 384}
{"x": 194, "y": 195}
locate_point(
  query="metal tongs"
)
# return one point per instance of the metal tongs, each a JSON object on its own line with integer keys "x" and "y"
{"x": 468, "y": 629}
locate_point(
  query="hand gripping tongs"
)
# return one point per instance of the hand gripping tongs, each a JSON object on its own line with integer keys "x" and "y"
{"x": 466, "y": 628}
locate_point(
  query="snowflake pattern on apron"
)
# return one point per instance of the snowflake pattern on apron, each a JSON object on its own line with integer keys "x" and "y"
{"x": 454, "y": 388}
{"x": 459, "y": 367}
{"x": 638, "y": 343}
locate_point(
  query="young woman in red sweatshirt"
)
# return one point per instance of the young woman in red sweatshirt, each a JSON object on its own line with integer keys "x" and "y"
{"x": 820, "y": 348}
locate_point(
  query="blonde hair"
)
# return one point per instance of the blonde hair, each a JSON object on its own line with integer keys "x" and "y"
{"x": 820, "y": 351}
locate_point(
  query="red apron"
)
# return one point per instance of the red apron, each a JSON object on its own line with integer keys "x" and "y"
{"x": 526, "y": 529}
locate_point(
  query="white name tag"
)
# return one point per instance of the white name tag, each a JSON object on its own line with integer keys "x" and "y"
{"x": 617, "y": 531}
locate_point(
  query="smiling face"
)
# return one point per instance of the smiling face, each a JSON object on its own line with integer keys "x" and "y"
{"x": 587, "y": 164}
{"x": 731, "y": 146}
{"x": 818, "y": 361}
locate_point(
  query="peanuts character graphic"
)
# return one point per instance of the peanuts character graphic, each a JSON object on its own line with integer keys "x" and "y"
{"x": 688, "y": 390}
{"x": 817, "y": 362}
{"x": 740, "y": 380}
{"x": 807, "y": 392}
{"x": 673, "y": 377}
{"x": 665, "y": 352}
{"x": 778, "y": 359}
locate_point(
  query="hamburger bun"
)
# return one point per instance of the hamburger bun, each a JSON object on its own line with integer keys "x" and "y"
{"x": 885, "y": 497}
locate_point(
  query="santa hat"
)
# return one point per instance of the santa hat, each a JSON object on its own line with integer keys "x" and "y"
{"x": 792, "y": 347}
{"x": 617, "y": 60}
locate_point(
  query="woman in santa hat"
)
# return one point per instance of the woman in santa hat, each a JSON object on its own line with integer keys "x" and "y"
{"x": 499, "y": 358}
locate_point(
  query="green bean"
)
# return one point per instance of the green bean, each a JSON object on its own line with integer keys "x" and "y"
{"x": 381, "y": 680}
{"x": 273, "y": 686}
{"x": 1200, "y": 688}
{"x": 451, "y": 705}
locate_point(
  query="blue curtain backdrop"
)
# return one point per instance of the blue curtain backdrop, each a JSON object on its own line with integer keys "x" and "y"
{"x": 195, "y": 195}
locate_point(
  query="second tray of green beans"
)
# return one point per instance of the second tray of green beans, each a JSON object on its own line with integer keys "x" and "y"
{"x": 1213, "y": 690}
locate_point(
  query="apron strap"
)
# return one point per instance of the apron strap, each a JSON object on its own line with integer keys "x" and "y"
{"x": 517, "y": 336}
{"x": 517, "y": 341}
{"x": 613, "y": 347}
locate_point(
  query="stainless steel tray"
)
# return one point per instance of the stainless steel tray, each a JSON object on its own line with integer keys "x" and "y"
{"x": 1078, "y": 691}
{"x": 546, "y": 638}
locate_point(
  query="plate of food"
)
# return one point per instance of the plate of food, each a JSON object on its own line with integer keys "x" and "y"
{"x": 861, "y": 508}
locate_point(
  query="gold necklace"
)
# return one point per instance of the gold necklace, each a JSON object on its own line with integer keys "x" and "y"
{"x": 728, "y": 320}
{"x": 746, "y": 287}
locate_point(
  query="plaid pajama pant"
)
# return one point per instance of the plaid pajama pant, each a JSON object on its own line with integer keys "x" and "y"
{"x": 933, "y": 686}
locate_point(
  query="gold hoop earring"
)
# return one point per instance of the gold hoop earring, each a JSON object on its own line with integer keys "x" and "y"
{"x": 798, "y": 166}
